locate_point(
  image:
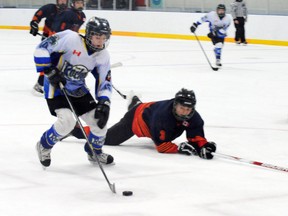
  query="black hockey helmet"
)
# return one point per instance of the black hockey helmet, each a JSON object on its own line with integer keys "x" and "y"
{"x": 185, "y": 98}
{"x": 97, "y": 26}
{"x": 221, "y": 7}
{"x": 72, "y": 5}
{"x": 61, "y": 6}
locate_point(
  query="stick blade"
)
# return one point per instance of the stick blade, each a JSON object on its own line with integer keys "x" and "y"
{"x": 117, "y": 64}
{"x": 112, "y": 187}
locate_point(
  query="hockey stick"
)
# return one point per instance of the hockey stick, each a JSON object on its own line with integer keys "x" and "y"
{"x": 115, "y": 65}
{"x": 43, "y": 36}
{"x": 111, "y": 186}
{"x": 122, "y": 95}
{"x": 256, "y": 163}
{"x": 213, "y": 68}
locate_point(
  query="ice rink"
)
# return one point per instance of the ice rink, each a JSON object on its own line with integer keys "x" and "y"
{"x": 244, "y": 106}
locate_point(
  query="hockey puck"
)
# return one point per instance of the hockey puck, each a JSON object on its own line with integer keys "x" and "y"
{"x": 127, "y": 193}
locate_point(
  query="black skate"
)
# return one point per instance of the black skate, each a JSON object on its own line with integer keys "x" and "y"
{"x": 133, "y": 100}
{"x": 38, "y": 88}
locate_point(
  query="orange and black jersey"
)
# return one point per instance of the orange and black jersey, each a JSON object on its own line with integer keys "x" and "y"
{"x": 156, "y": 120}
{"x": 48, "y": 11}
{"x": 69, "y": 19}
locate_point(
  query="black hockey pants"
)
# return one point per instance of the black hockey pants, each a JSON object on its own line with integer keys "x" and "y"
{"x": 240, "y": 30}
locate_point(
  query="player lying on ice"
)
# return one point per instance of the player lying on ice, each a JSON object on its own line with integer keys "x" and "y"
{"x": 164, "y": 121}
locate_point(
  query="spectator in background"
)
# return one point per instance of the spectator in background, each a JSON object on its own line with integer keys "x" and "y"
{"x": 239, "y": 14}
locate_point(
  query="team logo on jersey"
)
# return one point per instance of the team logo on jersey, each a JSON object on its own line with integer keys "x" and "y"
{"x": 50, "y": 40}
{"x": 106, "y": 86}
{"x": 75, "y": 52}
{"x": 185, "y": 124}
{"x": 74, "y": 72}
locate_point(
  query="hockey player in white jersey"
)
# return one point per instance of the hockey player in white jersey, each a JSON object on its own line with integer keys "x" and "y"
{"x": 68, "y": 57}
{"x": 218, "y": 25}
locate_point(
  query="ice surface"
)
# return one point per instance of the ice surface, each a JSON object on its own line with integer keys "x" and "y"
{"x": 244, "y": 105}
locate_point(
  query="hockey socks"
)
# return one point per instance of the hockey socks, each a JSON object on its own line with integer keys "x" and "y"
{"x": 50, "y": 138}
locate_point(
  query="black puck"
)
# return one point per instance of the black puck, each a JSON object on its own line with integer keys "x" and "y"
{"x": 127, "y": 193}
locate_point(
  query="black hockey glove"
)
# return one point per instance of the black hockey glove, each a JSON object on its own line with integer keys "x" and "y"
{"x": 211, "y": 35}
{"x": 186, "y": 148}
{"x": 207, "y": 149}
{"x": 193, "y": 27}
{"x": 54, "y": 76}
{"x": 34, "y": 28}
{"x": 102, "y": 112}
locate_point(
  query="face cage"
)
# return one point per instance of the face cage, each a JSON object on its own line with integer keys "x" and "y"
{"x": 221, "y": 15}
{"x": 182, "y": 118}
{"x": 96, "y": 49}
{"x": 77, "y": 9}
{"x": 62, "y": 7}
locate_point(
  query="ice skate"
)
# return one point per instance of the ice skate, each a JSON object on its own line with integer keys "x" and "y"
{"x": 218, "y": 62}
{"x": 38, "y": 88}
{"x": 43, "y": 154}
{"x": 103, "y": 158}
{"x": 133, "y": 100}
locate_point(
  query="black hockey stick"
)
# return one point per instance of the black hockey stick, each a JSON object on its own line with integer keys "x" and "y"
{"x": 213, "y": 68}
{"x": 43, "y": 36}
{"x": 111, "y": 186}
{"x": 122, "y": 95}
{"x": 115, "y": 65}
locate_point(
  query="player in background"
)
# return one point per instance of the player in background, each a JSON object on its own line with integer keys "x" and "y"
{"x": 49, "y": 12}
{"x": 69, "y": 18}
{"x": 239, "y": 14}
{"x": 164, "y": 121}
{"x": 68, "y": 57}
{"x": 218, "y": 25}
{"x": 72, "y": 18}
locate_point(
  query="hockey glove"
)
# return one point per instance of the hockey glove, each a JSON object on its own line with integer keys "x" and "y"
{"x": 186, "y": 148}
{"x": 211, "y": 35}
{"x": 193, "y": 27}
{"x": 54, "y": 76}
{"x": 207, "y": 149}
{"x": 34, "y": 28}
{"x": 102, "y": 112}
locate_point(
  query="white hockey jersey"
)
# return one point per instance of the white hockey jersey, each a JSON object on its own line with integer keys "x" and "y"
{"x": 217, "y": 26}
{"x": 67, "y": 51}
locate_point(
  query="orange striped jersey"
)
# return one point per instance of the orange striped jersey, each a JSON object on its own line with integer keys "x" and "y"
{"x": 156, "y": 121}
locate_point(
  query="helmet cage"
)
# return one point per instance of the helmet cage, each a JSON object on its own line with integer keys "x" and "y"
{"x": 97, "y": 26}
{"x": 184, "y": 98}
{"x": 221, "y": 7}
{"x": 61, "y": 7}
{"x": 72, "y": 4}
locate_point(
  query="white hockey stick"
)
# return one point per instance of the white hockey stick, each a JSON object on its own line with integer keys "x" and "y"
{"x": 117, "y": 64}
{"x": 256, "y": 163}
